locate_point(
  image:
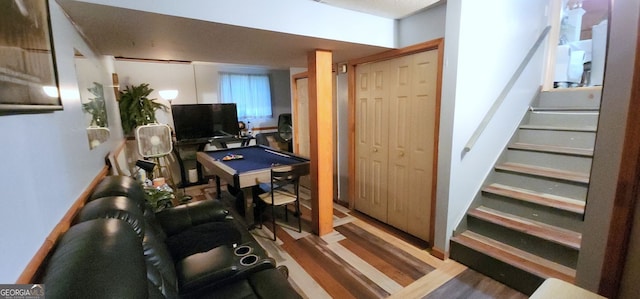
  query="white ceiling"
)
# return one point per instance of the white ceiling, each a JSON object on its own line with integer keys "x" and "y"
{"x": 141, "y": 35}
{"x": 393, "y": 9}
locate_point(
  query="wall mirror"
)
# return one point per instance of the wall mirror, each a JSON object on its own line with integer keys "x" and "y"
{"x": 91, "y": 89}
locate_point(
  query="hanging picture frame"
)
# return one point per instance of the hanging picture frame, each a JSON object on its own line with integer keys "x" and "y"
{"x": 28, "y": 77}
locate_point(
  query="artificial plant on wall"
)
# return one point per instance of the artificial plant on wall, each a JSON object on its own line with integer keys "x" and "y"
{"x": 96, "y": 106}
{"x": 136, "y": 108}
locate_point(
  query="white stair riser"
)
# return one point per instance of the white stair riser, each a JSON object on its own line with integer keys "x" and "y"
{"x": 557, "y": 138}
{"x": 563, "y": 119}
{"x": 538, "y": 184}
{"x": 545, "y": 249}
{"x": 548, "y": 215}
{"x": 549, "y": 160}
{"x": 570, "y": 97}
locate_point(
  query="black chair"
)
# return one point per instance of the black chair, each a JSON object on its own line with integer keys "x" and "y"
{"x": 283, "y": 191}
{"x": 261, "y": 139}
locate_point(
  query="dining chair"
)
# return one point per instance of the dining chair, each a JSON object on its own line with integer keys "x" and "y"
{"x": 283, "y": 191}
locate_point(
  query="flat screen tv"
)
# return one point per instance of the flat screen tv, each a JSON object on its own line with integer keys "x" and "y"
{"x": 205, "y": 121}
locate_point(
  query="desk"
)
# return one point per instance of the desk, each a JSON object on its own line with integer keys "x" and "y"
{"x": 245, "y": 173}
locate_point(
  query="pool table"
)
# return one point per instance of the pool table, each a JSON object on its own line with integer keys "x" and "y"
{"x": 254, "y": 167}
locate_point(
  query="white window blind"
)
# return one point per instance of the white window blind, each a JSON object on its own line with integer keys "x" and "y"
{"x": 250, "y": 92}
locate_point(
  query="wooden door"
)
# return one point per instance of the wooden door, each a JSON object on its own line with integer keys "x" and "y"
{"x": 423, "y": 119}
{"x": 371, "y": 140}
{"x": 396, "y": 121}
{"x": 301, "y": 124}
{"x": 401, "y": 135}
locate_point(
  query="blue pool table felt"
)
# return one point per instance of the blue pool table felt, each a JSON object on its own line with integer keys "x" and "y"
{"x": 254, "y": 158}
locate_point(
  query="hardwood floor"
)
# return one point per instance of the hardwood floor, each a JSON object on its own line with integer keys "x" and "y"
{"x": 365, "y": 259}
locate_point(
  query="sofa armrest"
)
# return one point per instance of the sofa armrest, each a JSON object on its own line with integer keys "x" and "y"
{"x": 271, "y": 283}
{"x": 216, "y": 267}
{"x": 180, "y": 218}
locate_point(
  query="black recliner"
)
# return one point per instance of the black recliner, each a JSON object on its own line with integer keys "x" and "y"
{"x": 210, "y": 257}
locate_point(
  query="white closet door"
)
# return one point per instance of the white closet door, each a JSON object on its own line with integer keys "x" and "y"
{"x": 401, "y": 135}
{"x": 423, "y": 120}
{"x": 372, "y": 139}
{"x": 395, "y": 141}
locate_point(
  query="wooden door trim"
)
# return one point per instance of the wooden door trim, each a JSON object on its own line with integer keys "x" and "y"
{"x": 436, "y": 44}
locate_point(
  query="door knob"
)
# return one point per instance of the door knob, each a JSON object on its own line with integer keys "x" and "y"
{"x": 375, "y": 150}
{"x": 401, "y": 154}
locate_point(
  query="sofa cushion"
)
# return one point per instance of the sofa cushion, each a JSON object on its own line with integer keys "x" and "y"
{"x": 201, "y": 238}
{"x": 160, "y": 268}
{"x": 96, "y": 259}
{"x": 119, "y": 186}
{"x": 117, "y": 207}
{"x": 179, "y": 218}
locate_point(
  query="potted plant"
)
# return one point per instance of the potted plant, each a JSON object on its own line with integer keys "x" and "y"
{"x": 158, "y": 198}
{"x": 136, "y": 108}
{"x": 96, "y": 106}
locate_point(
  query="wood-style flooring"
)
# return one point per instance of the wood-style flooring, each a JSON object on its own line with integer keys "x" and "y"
{"x": 362, "y": 258}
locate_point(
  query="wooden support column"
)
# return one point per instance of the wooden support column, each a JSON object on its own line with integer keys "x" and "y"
{"x": 321, "y": 140}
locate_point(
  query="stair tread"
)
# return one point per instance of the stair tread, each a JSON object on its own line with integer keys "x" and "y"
{"x": 540, "y": 198}
{"x": 586, "y": 152}
{"x": 541, "y": 230}
{"x": 560, "y": 128}
{"x": 571, "y": 176}
{"x": 515, "y": 257}
{"x": 568, "y": 108}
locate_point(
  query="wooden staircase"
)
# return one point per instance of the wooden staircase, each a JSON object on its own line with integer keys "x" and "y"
{"x": 525, "y": 225}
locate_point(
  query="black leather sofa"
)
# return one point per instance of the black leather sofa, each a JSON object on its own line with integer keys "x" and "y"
{"x": 118, "y": 248}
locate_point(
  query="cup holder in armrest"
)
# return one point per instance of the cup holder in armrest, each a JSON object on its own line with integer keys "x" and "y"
{"x": 249, "y": 260}
{"x": 243, "y": 250}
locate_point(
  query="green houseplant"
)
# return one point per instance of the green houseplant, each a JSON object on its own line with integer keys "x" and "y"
{"x": 136, "y": 108}
{"x": 158, "y": 199}
{"x": 96, "y": 106}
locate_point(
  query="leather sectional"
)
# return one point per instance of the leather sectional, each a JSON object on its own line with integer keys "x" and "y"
{"x": 118, "y": 248}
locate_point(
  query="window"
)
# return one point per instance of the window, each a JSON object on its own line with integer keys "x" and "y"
{"x": 250, "y": 92}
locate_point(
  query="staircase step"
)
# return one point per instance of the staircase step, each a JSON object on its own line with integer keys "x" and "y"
{"x": 580, "y": 164}
{"x": 544, "y": 199}
{"x": 571, "y": 176}
{"x": 559, "y": 128}
{"x": 543, "y": 231}
{"x": 563, "y": 150}
{"x": 581, "y": 97}
{"x": 562, "y": 118}
{"x": 557, "y": 138}
{"x": 565, "y": 109}
{"x": 515, "y": 257}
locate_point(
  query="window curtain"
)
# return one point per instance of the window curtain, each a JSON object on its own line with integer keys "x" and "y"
{"x": 250, "y": 92}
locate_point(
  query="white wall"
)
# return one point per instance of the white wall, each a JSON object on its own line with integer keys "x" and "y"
{"x": 197, "y": 83}
{"x": 481, "y": 55}
{"x": 616, "y": 92}
{"x": 160, "y": 76}
{"x": 45, "y": 158}
{"x": 423, "y": 26}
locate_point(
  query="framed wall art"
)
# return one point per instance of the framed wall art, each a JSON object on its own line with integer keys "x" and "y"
{"x": 28, "y": 78}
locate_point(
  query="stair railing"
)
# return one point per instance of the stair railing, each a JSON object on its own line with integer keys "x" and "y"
{"x": 507, "y": 88}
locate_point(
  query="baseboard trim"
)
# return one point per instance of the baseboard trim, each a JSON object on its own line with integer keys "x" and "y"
{"x": 439, "y": 253}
